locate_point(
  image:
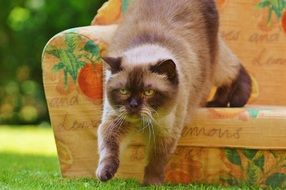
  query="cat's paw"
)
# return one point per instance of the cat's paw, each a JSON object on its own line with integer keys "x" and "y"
{"x": 107, "y": 169}
{"x": 152, "y": 177}
{"x": 153, "y": 181}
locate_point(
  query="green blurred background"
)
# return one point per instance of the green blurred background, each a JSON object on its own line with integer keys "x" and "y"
{"x": 25, "y": 28}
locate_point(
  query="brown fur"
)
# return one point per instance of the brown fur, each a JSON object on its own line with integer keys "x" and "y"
{"x": 188, "y": 31}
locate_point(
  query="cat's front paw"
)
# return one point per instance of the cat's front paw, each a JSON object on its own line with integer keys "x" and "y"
{"x": 152, "y": 177}
{"x": 153, "y": 180}
{"x": 107, "y": 169}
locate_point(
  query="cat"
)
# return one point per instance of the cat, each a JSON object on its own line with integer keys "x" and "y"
{"x": 162, "y": 62}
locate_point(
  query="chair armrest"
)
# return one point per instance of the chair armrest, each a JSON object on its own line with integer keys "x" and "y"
{"x": 69, "y": 55}
{"x": 72, "y": 75}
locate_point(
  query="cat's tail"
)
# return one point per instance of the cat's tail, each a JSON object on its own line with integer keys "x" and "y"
{"x": 232, "y": 80}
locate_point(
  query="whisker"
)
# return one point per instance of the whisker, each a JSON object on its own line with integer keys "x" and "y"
{"x": 121, "y": 122}
{"x": 154, "y": 111}
{"x": 153, "y": 131}
{"x": 118, "y": 121}
{"x": 114, "y": 124}
{"x": 149, "y": 119}
{"x": 147, "y": 126}
{"x": 148, "y": 112}
{"x": 143, "y": 127}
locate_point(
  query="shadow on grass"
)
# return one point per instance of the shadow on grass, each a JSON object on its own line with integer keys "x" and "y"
{"x": 25, "y": 171}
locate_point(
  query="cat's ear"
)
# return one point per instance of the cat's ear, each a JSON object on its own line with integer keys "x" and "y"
{"x": 166, "y": 67}
{"x": 113, "y": 64}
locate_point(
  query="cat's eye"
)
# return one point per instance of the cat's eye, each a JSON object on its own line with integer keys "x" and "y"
{"x": 149, "y": 92}
{"x": 123, "y": 91}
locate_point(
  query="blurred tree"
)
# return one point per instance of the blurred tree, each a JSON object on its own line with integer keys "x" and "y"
{"x": 25, "y": 28}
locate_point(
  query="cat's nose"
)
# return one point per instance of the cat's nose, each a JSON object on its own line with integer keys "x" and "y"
{"x": 133, "y": 103}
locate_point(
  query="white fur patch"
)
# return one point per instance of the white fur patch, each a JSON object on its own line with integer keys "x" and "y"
{"x": 147, "y": 53}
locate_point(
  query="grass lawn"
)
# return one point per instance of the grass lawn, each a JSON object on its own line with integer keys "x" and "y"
{"x": 28, "y": 161}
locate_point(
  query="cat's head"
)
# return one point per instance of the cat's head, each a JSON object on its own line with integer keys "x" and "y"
{"x": 142, "y": 88}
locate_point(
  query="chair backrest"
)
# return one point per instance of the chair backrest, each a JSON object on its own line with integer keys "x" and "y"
{"x": 254, "y": 30}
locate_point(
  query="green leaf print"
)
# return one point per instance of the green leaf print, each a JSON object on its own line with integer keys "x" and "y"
{"x": 276, "y": 180}
{"x": 71, "y": 42}
{"x": 73, "y": 58}
{"x": 259, "y": 162}
{"x": 58, "y": 67}
{"x": 264, "y": 3}
{"x": 233, "y": 156}
{"x": 92, "y": 48}
{"x": 52, "y": 50}
{"x": 252, "y": 174}
{"x": 65, "y": 78}
{"x": 70, "y": 65}
{"x": 273, "y": 6}
{"x": 248, "y": 153}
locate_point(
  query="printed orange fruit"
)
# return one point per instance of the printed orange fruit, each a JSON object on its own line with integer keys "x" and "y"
{"x": 184, "y": 170}
{"x": 221, "y": 3}
{"x": 283, "y": 21}
{"x": 177, "y": 176}
{"x": 90, "y": 80}
{"x": 108, "y": 13}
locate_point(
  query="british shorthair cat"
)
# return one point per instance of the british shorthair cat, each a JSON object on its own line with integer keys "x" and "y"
{"x": 162, "y": 62}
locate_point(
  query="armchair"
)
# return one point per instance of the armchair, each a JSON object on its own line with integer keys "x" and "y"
{"x": 222, "y": 145}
